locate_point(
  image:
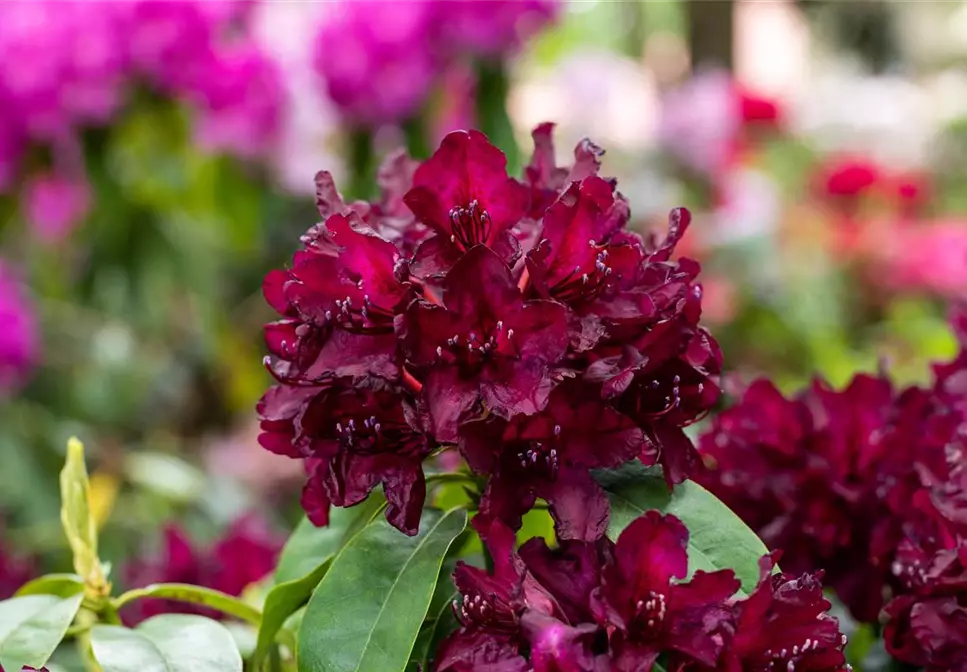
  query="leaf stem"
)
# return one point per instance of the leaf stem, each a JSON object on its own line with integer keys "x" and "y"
{"x": 206, "y": 597}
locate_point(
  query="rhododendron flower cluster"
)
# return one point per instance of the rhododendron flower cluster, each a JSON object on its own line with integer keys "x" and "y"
{"x": 380, "y": 60}
{"x": 515, "y": 319}
{"x": 245, "y": 554}
{"x": 19, "y": 338}
{"x": 605, "y": 606}
{"x": 65, "y": 68}
{"x": 867, "y": 482}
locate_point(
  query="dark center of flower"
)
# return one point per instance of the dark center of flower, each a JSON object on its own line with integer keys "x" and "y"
{"x": 911, "y": 572}
{"x": 540, "y": 459}
{"x": 649, "y": 615}
{"x": 360, "y": 315}
{"x": 469, "y": 226}
{"x": 372, "y": 435}
{"x": 586, "y": 281}
{"x": 658, "y": 398}
{"x": 485, "y": 611}
{"x": 473, "y": 350}
{"x": 787, "y": 659}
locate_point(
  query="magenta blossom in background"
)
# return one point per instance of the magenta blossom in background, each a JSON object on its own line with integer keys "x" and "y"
{"x": 65, "y": 69}
{"x": 517, "y": 320}
{"x": 19, "y": 337}
{"x": 245, "y": 554}
{"x": 377, "y": 59}
{"x": 239, "y": 106}
{"x": 380, "y": 62}
{"x": 490, "y": 29}
{"x": 925, "y": 257}
{"x": 55, "y": 205}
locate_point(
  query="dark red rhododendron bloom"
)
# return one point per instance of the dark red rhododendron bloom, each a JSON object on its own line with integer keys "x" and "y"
{"x": 484, "y": 345}
{"x": 357, "y": 438}
{"x": 597, "y": 606}
{"x": 840, "y": 479}
{"x": 245, "y": 554}
{"x": 653, "y": 611}
{"x": 518, "y": 320}
{"x": 784, "y": 625}
{"x": 549, "y": 455}
{"x": 805, "y": 474}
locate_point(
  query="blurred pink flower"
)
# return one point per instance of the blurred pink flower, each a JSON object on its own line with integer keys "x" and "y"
{"x": 240, "y": 104}
{"x": 699, "y": 122}
{"x": 61, "y": 63}
{"x": 376, "y": 59}
{"x": 55, "y": 204}
{"x": 170, "y": 43}
{"x": 928, "y": 257}
{"x": 490, "y": 29}
{"x": 702, "y": 122}
{"x": 19, "y": 338}
{"x": 12, "y": 142}
{"x": 66, "y": 66}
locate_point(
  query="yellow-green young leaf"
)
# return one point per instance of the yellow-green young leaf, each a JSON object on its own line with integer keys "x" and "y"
{"x": 184, "y": 592}
{"x": 60, "y": 585}
{"x": 80, "y": 526}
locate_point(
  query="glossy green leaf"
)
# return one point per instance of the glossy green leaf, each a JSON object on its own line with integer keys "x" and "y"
{"x": 283, "y": 601}
{"x": 184, "y": 592}
{"x": 60, "y": 585}
{"x": 367, "y": 612}
{"x": 310, "y": 546}
{"x": 717, "y": 538}
{"x": 32, "y": 626}
{"x": 167, "y": 643}
{"x": 439, "y": 621}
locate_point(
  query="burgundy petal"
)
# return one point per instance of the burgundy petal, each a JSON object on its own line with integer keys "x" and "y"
{"x": 467, "y": 169}
{"x": 650, "y": 552}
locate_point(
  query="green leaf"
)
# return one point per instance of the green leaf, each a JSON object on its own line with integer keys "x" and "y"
{"x": 32, "y": 626}
{"x": 366, "y": 614}
{"x": 281, "y": 602}
{"x": 185, "y": 592}
{"x": 310, "y": 546}
{"x": 80, "y": 526}
{"x": 61, "y": 585}
{"x": 440, "y": 620}
{"x": 167, "y": 643}
{"x": 717, "y": 538}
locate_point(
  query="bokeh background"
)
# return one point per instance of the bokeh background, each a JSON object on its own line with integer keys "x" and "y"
{"x": 157, "y": 159}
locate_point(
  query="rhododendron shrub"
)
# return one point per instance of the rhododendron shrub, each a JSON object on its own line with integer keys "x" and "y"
{"x": 518, "y": 328}
{"x": 867, "y": 482}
